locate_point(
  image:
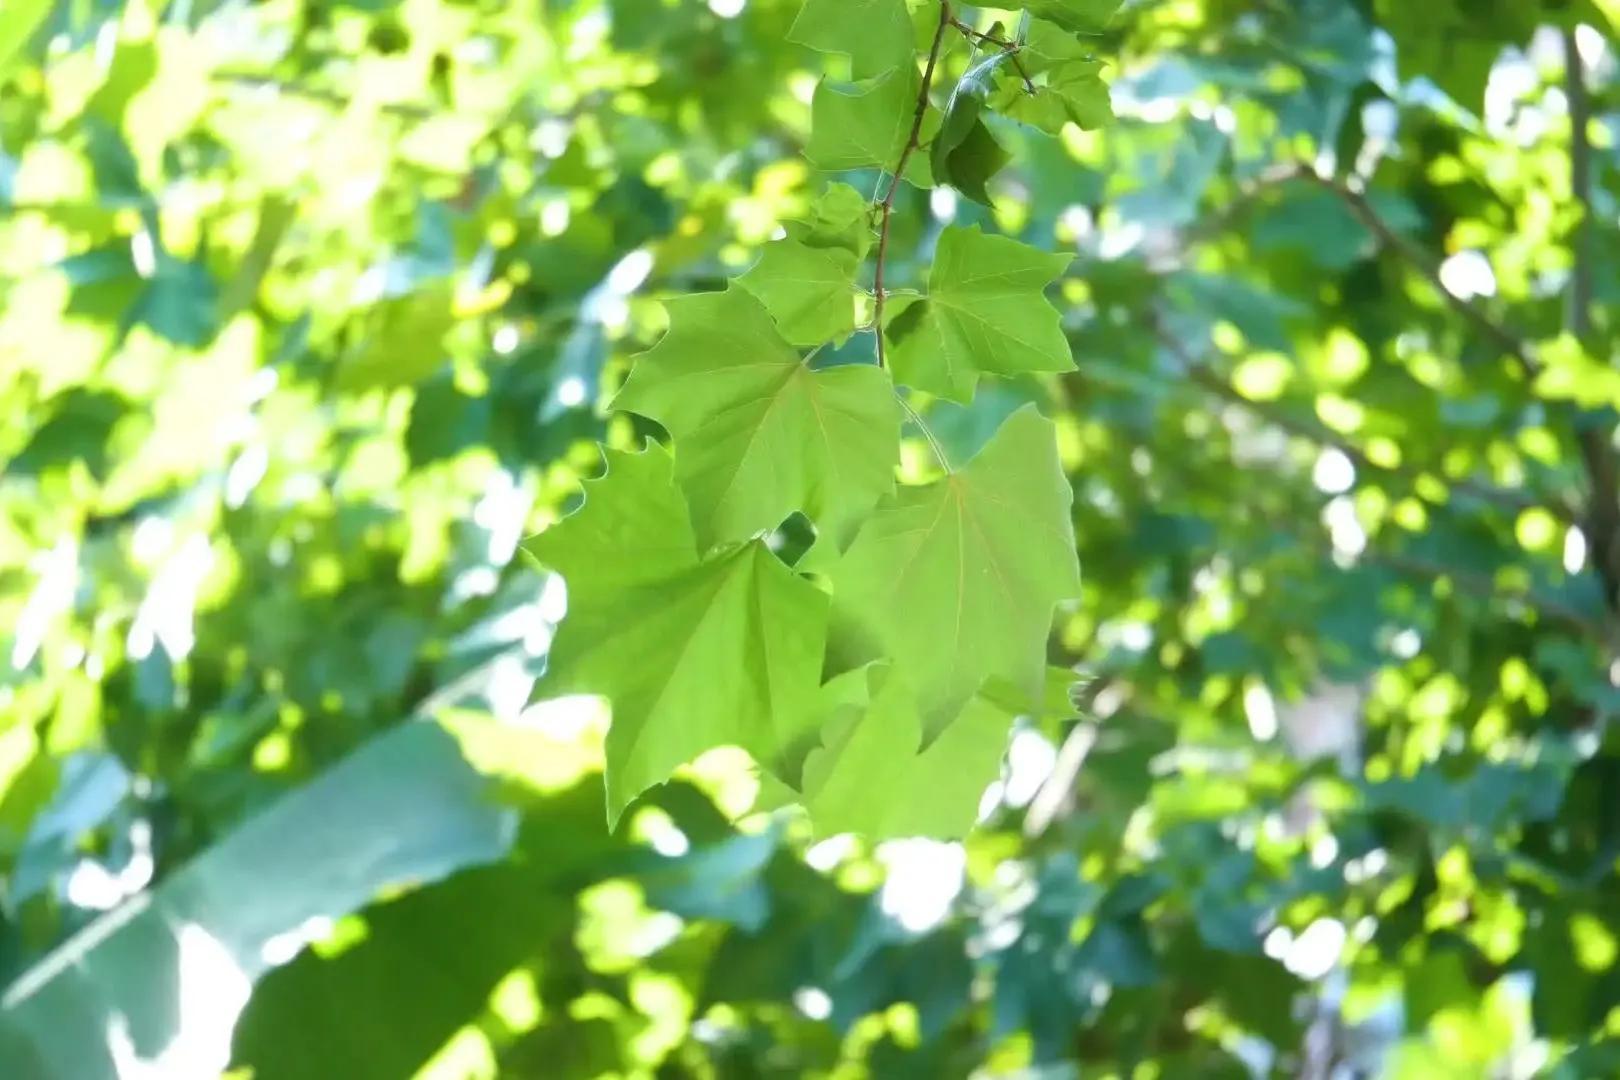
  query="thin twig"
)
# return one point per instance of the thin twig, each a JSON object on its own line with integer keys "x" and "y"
{"x": 1199, "y": 373}
{"x": 1487, "y": 587}
{"x": 899, "y": 170}
{"x": 1580, "y": 182}
{"x": 1009, "y": 47}
{"x": 272, "y": 87}
{"x": 1358, "y": 204}
{"x": 1481, "y": 586}
{"x": 1602, "y": 519}
{"x": 1056, "y": 795}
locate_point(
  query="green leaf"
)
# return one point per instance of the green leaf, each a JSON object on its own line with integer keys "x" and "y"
{"x": 22, "y": 18}
{"x": 1069, "y": 85}
{"x": 872, "y": 774}
{"x": 637, "y": 514}
{"x": 862, "y": 126}
{"x": 810, "y": 292}
{"x": 1048, "y": 46}
{"x": 956, "y": 581}
{"x": 405, "y": 343}
{"x": 408, "y": 801}
{"x": 1073, "y": 92}
{"x": 1078, "y": 16}
{"x": 964, "y": 154}
{"x": 984, "y": 312}
{"x": 758, "y": 433}
{"x": 971, "y": 164}
{"x": 808, "y": 281}
{"x": 841, "y": 219}
{"x": 692, "y": 654}
{"x": 422, "y": 968}
{"x": 874, "y": 34}
{"x": 1571, "y": 373}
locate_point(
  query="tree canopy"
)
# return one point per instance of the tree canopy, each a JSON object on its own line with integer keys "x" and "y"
{"x": 832, "y": 538}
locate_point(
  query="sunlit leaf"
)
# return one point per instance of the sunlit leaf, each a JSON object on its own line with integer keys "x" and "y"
{"x": 984, "y": 312}
{"x": 759, "y": 433}
{"x": 957, "y": 580}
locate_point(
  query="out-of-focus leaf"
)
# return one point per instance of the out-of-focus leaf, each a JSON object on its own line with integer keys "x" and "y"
{"x": 406, "y": 809}
{"x": 22, "y": 19}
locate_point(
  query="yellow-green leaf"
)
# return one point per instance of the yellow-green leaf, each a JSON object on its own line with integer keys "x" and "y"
{"x": 758, "y": 433}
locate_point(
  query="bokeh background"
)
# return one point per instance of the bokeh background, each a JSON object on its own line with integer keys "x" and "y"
{"x": 308, "y": 311}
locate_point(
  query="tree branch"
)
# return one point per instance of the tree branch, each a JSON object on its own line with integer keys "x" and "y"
{"x": 1200, "y": 374}
{"x": 1486, "y": 587}
{"x": 878, "y": 293}
{"x": 1481, "y": 586}
{"x": 1597, "y": 452}
{"x": 1580, "y": 181}
{"x": 1358, "y": 204}
{"x": 1602, "y": 517}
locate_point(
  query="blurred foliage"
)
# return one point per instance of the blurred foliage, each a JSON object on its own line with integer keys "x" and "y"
{"x": 309, "y": 311}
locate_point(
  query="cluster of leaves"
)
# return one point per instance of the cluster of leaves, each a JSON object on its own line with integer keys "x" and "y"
{"x": 939, "y": 596}
{"x": 311, "y": 309}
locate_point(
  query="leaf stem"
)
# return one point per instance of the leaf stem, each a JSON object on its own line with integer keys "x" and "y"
{"x": 899, "y": 170}
{"x": 1009, "y": 47}
{"x": 933, "y": 442}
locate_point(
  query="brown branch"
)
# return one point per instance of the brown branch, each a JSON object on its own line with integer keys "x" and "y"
{"x": 1580, "y": 181}
{"x": 878, "y": 293}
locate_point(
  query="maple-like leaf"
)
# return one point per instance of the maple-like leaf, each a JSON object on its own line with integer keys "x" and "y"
{"x": 873, "y": 775}
{"x": 1076, "y": 16}
{"x": 1070, "y": 86}
{"x": 636, "y": 512}
{"x": 984, "y": 313}
{"x": 810, "y": 292}
{"x": 839, "y": 219}
{"x": 864, "y": 125}
{"x": 956, "y": 581}
{"x": 874, "y": 34}
{"x": 808, "y": 280}
{"x": 692, "y": 653}
{"x": 758, "y": 433}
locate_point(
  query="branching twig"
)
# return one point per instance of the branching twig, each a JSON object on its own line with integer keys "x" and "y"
{"x": 1488, "y": 588}
{"x": 1602, "y": 518}
{"x": 1481, "y": 586}
{"x": 1200, "y": 374}
{"x": 1358, "y": 204}
{"x": 899, "y": 170}
{"x": 1009, "y": 47}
